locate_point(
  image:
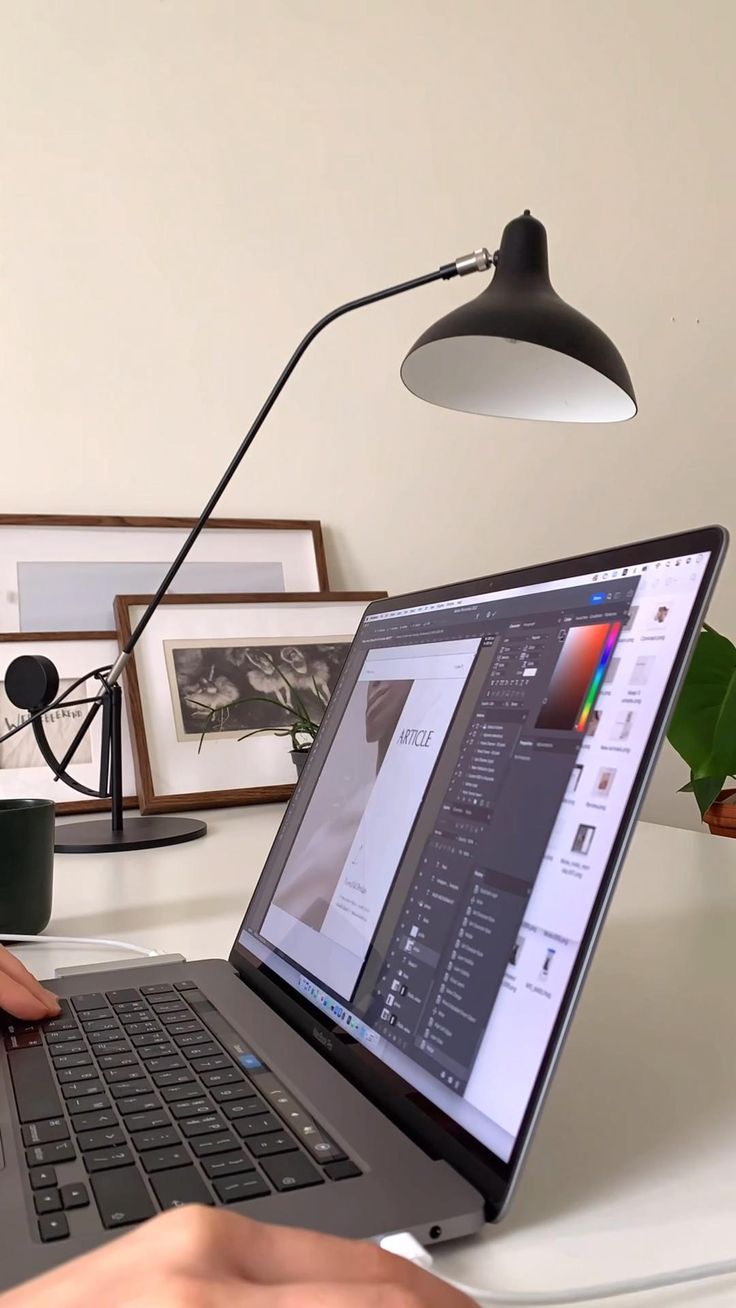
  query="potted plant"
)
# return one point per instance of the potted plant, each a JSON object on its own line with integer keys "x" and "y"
{"x": 299, "y": 725}
{"x": 703, "y": 729}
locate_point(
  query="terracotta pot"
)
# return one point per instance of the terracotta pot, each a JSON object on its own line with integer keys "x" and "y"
{"x": 299, "y": 758}
{"x": 720, "y": 817}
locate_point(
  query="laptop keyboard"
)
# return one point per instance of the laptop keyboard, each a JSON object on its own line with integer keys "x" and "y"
{"x": 164, "y": 1104}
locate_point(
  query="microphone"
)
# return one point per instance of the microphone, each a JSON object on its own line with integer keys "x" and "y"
{"x": 31, "y": 682}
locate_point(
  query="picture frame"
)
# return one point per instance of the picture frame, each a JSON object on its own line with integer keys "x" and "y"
{"x": 62, "y": 572}
{"x": 223, "y": 641}
{"x": 23, "y": 773}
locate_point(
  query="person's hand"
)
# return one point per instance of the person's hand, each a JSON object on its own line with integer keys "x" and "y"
{"x": 206, "y": 1258}
{"x": 21, "y": 994}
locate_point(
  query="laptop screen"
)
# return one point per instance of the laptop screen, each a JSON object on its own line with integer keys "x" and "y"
{"x": 435, "y": 873}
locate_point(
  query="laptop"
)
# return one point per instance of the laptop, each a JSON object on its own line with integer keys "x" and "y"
{"x": 374, "y": 1055}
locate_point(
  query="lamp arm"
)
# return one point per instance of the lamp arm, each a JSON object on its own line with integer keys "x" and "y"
{"x": 478, "y": 261}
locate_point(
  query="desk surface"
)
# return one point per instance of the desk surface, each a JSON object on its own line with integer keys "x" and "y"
{"x": 633, "y": 1169}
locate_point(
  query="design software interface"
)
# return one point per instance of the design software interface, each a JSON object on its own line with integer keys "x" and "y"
{"x": 429, "y": 891}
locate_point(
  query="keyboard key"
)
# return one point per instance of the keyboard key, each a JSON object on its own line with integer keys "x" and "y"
{"x": 174, "y": 1094}
{"x": 104, "y": 1139}
{"x": 184, "y": 1185}
{"x": 123, "y": 1089}
{"x": 181, "y": 1077}
{"x": 185, "y": 985}
{"x": 161, "y": 1160}
{"x": 262, "y": 1145}
{"x": 211, "y": 1064}
{"x": 259, "y": 1124}
{"x": 61, "y": 1151}
{"x": 156, "y": 990}
{"x": 15, "y": 1026}
{"x": 98, "y": 1024}
{"x": 42, "y": 1178}
{"x": 140, "y": 1006}
{"x": 27, "y": 1040}
{"x": 74, "y": 1089}
{"x": 74, "y": 1196}
{"x": 60, "y": 1024}
{"x": 93, "y": 1015}
{"x": 238, "y": 1090}
{"x": 144, "y": 1140}
{"x": 227, "y": 1165}
{"x": 243, "y": 1108}
{"x": 191, "y": 1108}
{"x": 137, "y": 1028}
{"x": 104, "y": 1160}
{"x": 223, "y": 1077}
{"x": 148, "y": 1039}
{"x": 63, "y": 1035}
{"x": 121, "y": 1197}
{"x": 66, "y": 1077}
{"x": 196, "y": 1037}
{"x": 208, "y": 1050}
{"x": 83, "y": 1002}
{"x": 78, "y": 1059}
{"x": 236, "y": 1189}
{"x": 47, "y": 1201}
{"x": 164, "y": 1050}
{"x": 128, "y": 1059}
{"x": 139, "y": 1104}
{"x": 106, "y": 1047}
{"x": 168, "y": 1006}
{"x": 177, "y": 1015}
{"x": 147, "y": 1121}
{"x": 45, "y": 1132}
{"x": 67, "y": 1050}
{"x": 117, "y": 1075}
{"x": 184, "y": 1028}
{"x": 54, "y": 1227}
{"x": 292, "y": 1172}
{"x": 101, "y": 1039}
{"x": 192, "y": 1127}
{"x": 169, "y": 1063}
{"x": 36, "y": 1095}
{"x": 214, "y": 1144}
{"x": 87, "y": 1103}
{"x": 123, "y": 997}
{"x": 94, "y": 1121}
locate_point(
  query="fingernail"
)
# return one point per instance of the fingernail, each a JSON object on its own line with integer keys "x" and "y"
{"x": 52, "y": 1002}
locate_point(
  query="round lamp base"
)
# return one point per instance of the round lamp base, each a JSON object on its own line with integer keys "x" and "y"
{"x": 98, "y": 837}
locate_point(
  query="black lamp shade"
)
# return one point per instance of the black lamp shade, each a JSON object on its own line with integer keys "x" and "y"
{"x": 518, "y": 351}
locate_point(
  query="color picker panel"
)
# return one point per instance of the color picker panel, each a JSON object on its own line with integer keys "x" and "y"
{"x": 577, "y": 677}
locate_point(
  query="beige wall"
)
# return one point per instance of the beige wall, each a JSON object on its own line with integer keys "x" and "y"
{"x": 186, "y": 184}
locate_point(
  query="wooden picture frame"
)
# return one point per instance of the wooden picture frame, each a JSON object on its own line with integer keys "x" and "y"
{"x": 61, "y": 572}
{"x": 74, "y": 653}
{"x": 171, "y": 773}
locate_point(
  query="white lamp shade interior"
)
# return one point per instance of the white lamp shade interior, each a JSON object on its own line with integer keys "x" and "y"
{"x": 513, "y": 379}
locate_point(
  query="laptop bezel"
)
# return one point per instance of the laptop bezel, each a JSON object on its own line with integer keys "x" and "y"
{"x": 423, "y": 1121}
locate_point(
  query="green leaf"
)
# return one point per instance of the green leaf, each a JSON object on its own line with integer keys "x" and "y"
{"x": 706, "y": 789}
{"x": 703, "y": 728}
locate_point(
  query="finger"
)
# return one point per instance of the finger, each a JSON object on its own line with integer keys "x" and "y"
{"x": 18, "y": 1000}
{"x": 327, "y": 1294}
{"x": 13, "y": 967}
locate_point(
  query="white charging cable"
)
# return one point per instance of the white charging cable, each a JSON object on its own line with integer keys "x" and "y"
{"x": 404, "y": 1245}
{"x": 77, "y": 940}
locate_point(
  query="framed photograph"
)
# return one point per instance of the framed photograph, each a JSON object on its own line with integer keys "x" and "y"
{"x": 23, "y": 773}
{"x": 63, "y": 573}
{"x": 204, "y": 653}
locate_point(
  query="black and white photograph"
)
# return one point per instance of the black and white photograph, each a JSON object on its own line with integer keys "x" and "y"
{"x": 231, "y": 689}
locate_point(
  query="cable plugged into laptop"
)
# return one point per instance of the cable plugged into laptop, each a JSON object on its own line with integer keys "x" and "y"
{"x": 404, "y": 1245}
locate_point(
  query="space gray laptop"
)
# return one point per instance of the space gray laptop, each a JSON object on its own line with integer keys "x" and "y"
{"x": 374, "y": 1055}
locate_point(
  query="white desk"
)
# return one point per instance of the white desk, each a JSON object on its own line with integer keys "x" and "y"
{"x": 634, "y": 1166}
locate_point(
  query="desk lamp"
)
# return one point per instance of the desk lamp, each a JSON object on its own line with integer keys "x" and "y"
{"x": 516, "y": 351}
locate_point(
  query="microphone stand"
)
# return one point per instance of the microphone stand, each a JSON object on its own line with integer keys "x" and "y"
{"x": 150, "y": 832}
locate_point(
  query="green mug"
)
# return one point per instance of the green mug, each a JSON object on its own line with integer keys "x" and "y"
{"x": 26, "y": 865}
